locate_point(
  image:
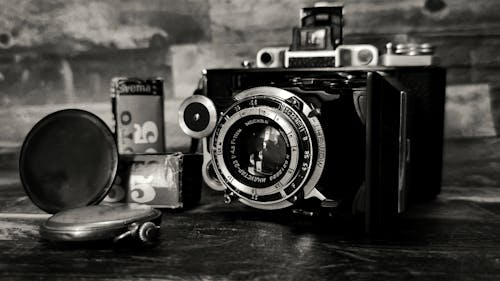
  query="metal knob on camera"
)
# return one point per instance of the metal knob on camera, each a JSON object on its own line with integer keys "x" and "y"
{"x": 197, "y": 119}
{"x": 413, "y": 49}
{"x": 271, "y": 57}
{"x": 197, "y": 116}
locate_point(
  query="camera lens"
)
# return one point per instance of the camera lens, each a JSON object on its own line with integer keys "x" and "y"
{"x": 265, "y": 150}
{"x": 266, "y": 58}
{"x": 258, "y": 151}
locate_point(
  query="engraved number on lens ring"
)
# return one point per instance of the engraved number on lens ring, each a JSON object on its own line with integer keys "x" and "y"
{"x": 286, "y": 117}
{"x": 233, "y": 139}
{"x": 254, "y": 193}
{"x": 293, "y": 161}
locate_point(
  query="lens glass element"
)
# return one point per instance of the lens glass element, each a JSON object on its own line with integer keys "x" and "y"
{"x": 266, "y": 58}
{"x": 258, "y": 151}
{"x": 196, "y": 116}
{"x": 365, "y": 56}
{"x": 266, "y": 150}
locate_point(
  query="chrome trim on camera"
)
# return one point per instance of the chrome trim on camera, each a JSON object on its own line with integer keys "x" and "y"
{"x": 310, "y": 188}
{"x": 403, "y": 151}
{"x": 282, "y": 121}
{"x": 315, "y": 193}
{"x": 307, "y": 55}
{"x": 207, "y": 164}
{"x": 209, "y": 105}
{"x": 258, "y": 205}
{"x": 318, "y": 152}
{"x": 276, "y": 55}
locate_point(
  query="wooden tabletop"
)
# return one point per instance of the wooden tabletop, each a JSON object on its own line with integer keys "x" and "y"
{"x": 456, "y": 237}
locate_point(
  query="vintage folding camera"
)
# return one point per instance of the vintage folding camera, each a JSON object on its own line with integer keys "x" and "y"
{"x": 348, "y": 140}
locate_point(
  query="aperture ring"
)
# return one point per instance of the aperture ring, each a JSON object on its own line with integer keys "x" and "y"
{"x": 298, "y": 137}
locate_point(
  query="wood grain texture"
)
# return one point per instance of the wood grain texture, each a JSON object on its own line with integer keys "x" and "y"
{"x": 363, "y": 18}
{"x": 455, "y": 237}
{"x": 468, "y": 111}
{"x": 414, "y": 16}
{"x": 17, "y": 121}
{"x": 65, "y": 52}
{"x": 73, "y": 26}
{"x": 466, "y": 34}
{"x": 57, "y": 55}
{"x": 452, "y": 238}
{"x": 466, "y": 161}
{"x": 472, "y": 162}
{"x": 54, "y": 51}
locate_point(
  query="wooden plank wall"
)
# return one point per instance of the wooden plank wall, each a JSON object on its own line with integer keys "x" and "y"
{"x": 465, "y": 33}
{"x": 56, "y": 53}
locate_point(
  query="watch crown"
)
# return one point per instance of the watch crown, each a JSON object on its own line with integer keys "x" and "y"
{"x": 148, "y": 232}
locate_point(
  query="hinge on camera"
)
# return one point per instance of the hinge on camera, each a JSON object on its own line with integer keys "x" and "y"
{"x": 228, "y": 196}
{"x": 295, "y": 103}
{"x": 328, "y": 208}
{"x": 315, "y": 112}
{"x": 314, "y": 208}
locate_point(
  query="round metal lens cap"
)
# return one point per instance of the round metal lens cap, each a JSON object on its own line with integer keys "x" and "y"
{"x": 68, "y": 160}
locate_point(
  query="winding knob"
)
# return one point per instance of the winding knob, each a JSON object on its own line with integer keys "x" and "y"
{"x": 148, "y": 232}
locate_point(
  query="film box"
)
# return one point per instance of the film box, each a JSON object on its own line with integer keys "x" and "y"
{"x": 137, "y": 106}
{"x": 159, "y": 180}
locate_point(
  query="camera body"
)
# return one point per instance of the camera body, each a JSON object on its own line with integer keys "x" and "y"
{"x": 271, "y": 57}
{"x": 320, "y": 127}
{"x": 320, "y": 28}
{"x": 314, "y": 42}
{"x": 359, "y": 140}
{"x": 318, "y": 43}
{"x": 356, "y": 55}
